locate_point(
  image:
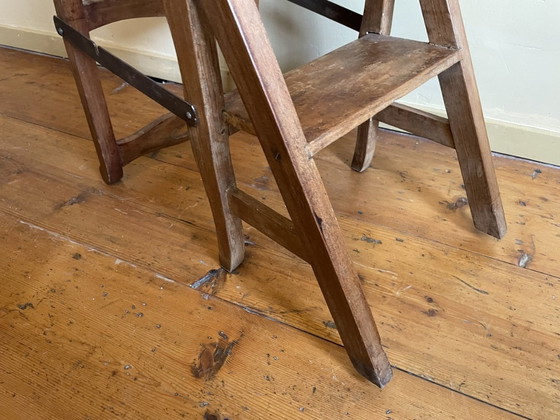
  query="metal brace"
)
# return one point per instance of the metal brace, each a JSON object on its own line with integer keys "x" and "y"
{"x": 129, "y": 74}
{"x": 332, "y": 11}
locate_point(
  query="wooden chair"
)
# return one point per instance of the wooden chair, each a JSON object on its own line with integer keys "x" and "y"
{"x": 296, "y": 115}
{"x": 113, "y": 154}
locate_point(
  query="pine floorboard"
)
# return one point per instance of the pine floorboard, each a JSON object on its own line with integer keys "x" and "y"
{"x": 112, "y": 299}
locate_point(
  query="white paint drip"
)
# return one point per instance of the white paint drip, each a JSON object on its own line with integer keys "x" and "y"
{"x": 402, "y": 290}
{"x": 56, "y": 235}
{"x": 162, "y": 277}
{"x": 63, "y": 238}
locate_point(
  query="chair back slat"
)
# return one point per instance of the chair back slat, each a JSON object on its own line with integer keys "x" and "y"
{"x": 102, "y": 12}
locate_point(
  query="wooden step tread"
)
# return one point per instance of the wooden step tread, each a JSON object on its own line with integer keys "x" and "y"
{"x": 338, "y": 91}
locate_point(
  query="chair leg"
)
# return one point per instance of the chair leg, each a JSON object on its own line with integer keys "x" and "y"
{"x": 378, "y": 17}
{"x": 198, "y": 62}
{"x": 473, "y": 150}
{"x": 91, "y": 94}
{"x": 365, "y": 145}
{"x": 239, "y": 30}
{"x": 444, "y": 25}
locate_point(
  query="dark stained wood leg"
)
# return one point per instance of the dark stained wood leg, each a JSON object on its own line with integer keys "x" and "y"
{"x": 444, "y": 25}
{"x": 240, "y": 33}
{"x": 365, "y": 145}
{"x": 198, "y": 61}
{"x": 473, "y": 150}
{"x": 91, "y": 94}
{"x": 378, "y": 17}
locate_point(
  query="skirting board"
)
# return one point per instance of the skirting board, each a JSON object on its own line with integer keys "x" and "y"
{"x": 161, "y": 67}
{"x": 505, "y": 137}
{"x": 514, "y": 139}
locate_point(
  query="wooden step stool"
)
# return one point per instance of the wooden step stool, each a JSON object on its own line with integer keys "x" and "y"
{"x": 294, "y": 116}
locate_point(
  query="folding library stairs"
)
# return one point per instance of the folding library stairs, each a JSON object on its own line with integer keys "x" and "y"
{"x": 294, "y": 115}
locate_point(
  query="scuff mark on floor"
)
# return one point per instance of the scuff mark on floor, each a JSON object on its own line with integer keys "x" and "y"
{"x": 470, "y": 286}
{"x": 370, "y": 240}
{"x": 211, "y": 282}
{"x": 330, "y": 324}
{"x": 524, "y": 260}
{"x": 457, "y": 204}
{"x": 526, "y": 257}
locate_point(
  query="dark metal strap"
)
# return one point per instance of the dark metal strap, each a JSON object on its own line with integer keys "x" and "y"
{"x": 332, "y": 11}
{"x": 129, "y": 74}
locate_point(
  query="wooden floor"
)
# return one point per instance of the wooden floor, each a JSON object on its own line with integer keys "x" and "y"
{"x": 113, "y": 305}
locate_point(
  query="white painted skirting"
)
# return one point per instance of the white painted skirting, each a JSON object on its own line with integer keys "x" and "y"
{"x": 159, "y": 66}
{"x": 505, "y": 137}
{"x": 517, "y": 140}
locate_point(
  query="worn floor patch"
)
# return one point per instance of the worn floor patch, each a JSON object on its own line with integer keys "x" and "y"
{"x": 212, "y": 357}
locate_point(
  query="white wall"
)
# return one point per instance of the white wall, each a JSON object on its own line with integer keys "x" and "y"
{"x": 515, "y": 47}
{"x": 516, "y": 53}
{"x": 144, "y": 43}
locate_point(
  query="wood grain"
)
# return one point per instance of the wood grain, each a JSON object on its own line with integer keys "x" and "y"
{"x": 383, "y": 69}
{"x": 39, "y": 85}
{"x": 85, "y": 335}
{"x": 377, "y": 18}
{"x": 89, "y": 87}
{"x": 419, "y": 123}
{"x": 268, "y": 221}
{"x": 84, "y": 16}
{"x": 410, "y": 201}
{"x": 183, "y": 251}
{"x": 100, "y": 13}
{"x": 366, "y": 140}
{"x": 426, "y": 202}
{"x": 164, "y": 131}
{"x": 241, "y": 35}
{"x": 198, "y": 58}
{"x": 445, "y": 27}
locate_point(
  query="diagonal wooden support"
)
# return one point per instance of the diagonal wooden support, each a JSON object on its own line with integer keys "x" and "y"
{"x": 238, "y": 28}
{"x": 268, "y": 221}
{"x": 462, "y": 102}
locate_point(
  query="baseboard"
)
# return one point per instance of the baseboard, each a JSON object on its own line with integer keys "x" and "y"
{"x": 162, "y": 67}
{"x": 516, "y": 140}
{"x": 505, "y": 137}
{"x": 522, "y": 141}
